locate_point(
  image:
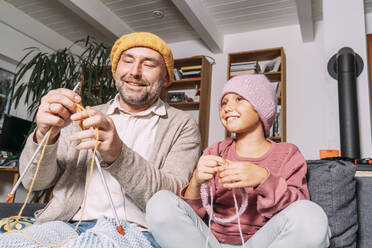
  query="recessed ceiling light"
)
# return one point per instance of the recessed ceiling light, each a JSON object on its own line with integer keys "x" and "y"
{"x": 158, "y": 13}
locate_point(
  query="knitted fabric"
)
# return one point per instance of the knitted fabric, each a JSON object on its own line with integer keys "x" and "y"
{"x": 22, "y": 224}
{"x": 102, "y": 235}
{"x": 142, "y": 39}
{"x": 209, "y": 208}
{"x": 257, "y": 90}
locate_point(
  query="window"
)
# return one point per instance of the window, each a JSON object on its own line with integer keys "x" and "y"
{"x": 6, "y": 78}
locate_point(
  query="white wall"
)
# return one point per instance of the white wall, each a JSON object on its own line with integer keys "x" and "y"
{"x": 312, "y": 101}
{"x": 12, "y": 48}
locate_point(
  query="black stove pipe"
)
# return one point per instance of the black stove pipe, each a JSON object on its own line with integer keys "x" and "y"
{"x": 345, "y": 67}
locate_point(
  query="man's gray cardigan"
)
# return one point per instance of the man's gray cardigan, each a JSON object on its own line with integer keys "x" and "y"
{"x": 174, "y": 156}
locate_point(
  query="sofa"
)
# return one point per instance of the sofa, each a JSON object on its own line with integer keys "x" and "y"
{"x": 333, "y": 184}
{"x": 345, "y": 194}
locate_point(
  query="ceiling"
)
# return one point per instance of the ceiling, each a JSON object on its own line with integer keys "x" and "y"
{"x": 173, "y": 20}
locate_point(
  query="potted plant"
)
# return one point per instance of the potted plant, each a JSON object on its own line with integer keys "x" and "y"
{"x": 63, "y": 69}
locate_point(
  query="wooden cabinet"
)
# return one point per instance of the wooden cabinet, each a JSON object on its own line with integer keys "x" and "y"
{"x": 198, "y": 81}
{"x": 271, "y": 63}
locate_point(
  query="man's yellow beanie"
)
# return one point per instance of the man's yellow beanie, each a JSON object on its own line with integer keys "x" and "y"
{"x": 141, "y": 39}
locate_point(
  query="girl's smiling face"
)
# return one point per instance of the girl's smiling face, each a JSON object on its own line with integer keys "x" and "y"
{"x": 238, "y": 115}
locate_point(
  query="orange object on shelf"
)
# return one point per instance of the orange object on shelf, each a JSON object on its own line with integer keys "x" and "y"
{"x": 329, "y": 153}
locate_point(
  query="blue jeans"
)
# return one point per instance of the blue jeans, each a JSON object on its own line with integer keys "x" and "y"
{"x": 85, "y": 225}
{"x": 175, "y": 224}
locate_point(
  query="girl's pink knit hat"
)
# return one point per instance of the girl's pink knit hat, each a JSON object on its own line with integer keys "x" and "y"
{"x": 256, "y": 89}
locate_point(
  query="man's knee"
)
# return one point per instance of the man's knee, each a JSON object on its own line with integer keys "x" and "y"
{"x": 308, "y": 220}
{"x": 160, "y": 208}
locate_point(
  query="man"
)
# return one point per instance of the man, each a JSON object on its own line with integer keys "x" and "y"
{"x": 144, "y": 144}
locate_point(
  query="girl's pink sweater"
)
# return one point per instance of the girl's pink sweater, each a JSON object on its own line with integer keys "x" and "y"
{"x": 285, "y": 184}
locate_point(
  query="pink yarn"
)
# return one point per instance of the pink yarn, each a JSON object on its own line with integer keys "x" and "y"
{"x": 212, "y": 216}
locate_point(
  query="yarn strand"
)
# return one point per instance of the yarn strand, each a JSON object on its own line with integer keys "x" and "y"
{"x": 237, "y": 213}
{"x": 16, "y": 218}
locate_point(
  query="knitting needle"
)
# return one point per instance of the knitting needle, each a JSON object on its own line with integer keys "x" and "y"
{"x": 10, "y": 196}
{"x": 119, "y": 227}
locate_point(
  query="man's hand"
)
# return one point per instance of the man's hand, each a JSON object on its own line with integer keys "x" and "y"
{"x": 207, "y": 167}
{"x": 54, "y": 111}
{"x": 239, "y": 174}
{"x": 109, "y": 142}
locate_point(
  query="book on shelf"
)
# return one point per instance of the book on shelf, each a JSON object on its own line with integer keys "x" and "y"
{"x": 271, "y": 65}
{"x": 190, "y": 74}
{"x": 192, "y": 78}
{"x": 276, "y": 128}
{"x": 277, "y": 88}
{"x": 236, "y": 73}
{"x": 244, "y": 66}
{"x": 191, "y": 67}
{"x": 176, "y": 74}
{"x": 186, "y": 72}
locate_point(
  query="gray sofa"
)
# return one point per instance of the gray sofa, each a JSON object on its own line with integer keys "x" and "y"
{"x": 346, "y": 199}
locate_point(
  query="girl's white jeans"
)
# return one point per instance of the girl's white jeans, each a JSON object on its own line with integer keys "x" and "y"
{"x": 174, "y": 224}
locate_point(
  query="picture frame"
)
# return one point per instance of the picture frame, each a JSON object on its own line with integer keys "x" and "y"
{"x": 176, "y": 97}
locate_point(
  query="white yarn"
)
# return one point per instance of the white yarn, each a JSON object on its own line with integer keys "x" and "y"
{"x": 204, "y": 197}
{"x": 212, "y": 216}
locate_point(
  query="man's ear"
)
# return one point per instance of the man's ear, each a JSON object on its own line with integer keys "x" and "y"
{"x": 166, "y": 80}
{"x": 165, "y": 83}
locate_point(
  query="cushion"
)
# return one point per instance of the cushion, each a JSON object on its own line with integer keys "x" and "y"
{"x": 364, "y": 188}
{"x": 332, "y": 186}
{"x": 12, "y": 209}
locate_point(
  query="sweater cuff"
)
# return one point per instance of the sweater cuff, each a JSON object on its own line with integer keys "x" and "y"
{"x": 195, "y": 203}
{"x": 118, "y": 162}
{"x": 266, "y": 187}
{"x": 49, "y": 149}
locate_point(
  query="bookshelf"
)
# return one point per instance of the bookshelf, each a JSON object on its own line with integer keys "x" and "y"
{"x": 193, "y": 75}
{"x": 14, "y": 172}
{"x": 272, "y": 63}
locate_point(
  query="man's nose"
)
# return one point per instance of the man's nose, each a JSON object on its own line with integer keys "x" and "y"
{"x": 135, "y": 70}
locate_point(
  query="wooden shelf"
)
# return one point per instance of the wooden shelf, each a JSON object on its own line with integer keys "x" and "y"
{"x": 276, "y": 138}
{"x": 9, "y": 169}
{"x": 276, "y": 76}
{"x": 187, "y": 84}
{"x": 185, "y": 105}
{"x": 15, "y": 172}
{"x": 184, "y": 84}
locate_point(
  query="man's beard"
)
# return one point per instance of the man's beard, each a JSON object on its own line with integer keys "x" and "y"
{"x": 146, "y": 97}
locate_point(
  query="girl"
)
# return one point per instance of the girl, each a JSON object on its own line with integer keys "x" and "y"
{"x": 248, "y": 191}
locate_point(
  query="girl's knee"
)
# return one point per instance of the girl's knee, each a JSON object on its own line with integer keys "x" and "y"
{"x": 160, "y": 207}
{"x": 305, "y": 211}
{"x": 309, "y": 220}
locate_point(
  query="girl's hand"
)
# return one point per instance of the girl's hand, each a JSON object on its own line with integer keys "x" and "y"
{"x": 239, "y": 174}
{"x": 207, "y": 167}
{"x": 110, "y": 143}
